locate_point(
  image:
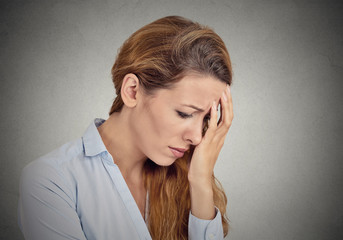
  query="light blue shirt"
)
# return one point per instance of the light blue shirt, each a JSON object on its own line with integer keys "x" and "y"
{"x": 78, "y": 192}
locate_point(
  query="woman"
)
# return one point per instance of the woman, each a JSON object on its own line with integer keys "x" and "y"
{"x": 147, "y": 171}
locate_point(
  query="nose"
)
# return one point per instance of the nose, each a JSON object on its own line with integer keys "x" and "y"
{"x": 193, "y": 134}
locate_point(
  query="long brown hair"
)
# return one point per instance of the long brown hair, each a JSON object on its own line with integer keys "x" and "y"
{"x": 160, "y": 54}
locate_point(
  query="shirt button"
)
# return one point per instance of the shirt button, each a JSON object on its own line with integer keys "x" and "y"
{"x": 211, "y": 236}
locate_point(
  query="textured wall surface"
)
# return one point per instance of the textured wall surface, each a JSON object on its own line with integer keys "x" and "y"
{"x": 281, "y": 165}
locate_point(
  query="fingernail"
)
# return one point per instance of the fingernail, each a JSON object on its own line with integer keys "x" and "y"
{"x": 224, "y": 96}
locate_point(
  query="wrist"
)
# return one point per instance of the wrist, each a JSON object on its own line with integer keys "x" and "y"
{"x": 200, "y": 182}
{"x": 202, "y": 204}
{"x": 201, "y": 187}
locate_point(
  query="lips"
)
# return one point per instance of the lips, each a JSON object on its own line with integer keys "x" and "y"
{"x": 178, "y": 152}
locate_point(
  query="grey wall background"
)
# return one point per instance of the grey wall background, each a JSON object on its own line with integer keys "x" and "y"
{"x": 281, "y": 165}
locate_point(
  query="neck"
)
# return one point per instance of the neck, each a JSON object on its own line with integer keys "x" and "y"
{"x": 119, "y": 141}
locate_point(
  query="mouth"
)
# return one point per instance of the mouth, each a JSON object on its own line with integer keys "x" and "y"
{"x": 178, "y": 152}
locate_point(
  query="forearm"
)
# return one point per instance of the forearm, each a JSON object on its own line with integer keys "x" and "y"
{"x": 202, "y": 203}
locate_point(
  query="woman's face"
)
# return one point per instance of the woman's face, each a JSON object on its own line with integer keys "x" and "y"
{"x": 168, "y": 123}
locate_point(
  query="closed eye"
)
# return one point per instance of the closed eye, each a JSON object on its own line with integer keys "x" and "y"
{"x": 184, "y": 115}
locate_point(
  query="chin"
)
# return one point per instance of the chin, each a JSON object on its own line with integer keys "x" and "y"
{"x": 163, "y": 161}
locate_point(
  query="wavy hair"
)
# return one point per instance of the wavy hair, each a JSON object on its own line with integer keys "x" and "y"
{"x": 160, "y": 54}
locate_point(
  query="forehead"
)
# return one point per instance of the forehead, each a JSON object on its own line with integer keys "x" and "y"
{"x": 196, "y": 89}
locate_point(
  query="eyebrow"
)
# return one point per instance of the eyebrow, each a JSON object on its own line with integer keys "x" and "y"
{"x": 192, "y": 106}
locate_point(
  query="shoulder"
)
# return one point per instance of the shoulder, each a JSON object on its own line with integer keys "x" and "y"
{"x": 52, "y": 169}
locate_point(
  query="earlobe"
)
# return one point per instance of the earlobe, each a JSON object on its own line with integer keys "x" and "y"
{"x": 129, "y": 90}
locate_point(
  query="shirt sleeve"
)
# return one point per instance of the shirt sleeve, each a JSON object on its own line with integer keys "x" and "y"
{"x": 46, "y": 207}
{"x": 199, "y": 229}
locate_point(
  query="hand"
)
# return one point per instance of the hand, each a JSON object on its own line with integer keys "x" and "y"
{"x": 206, "y": 153}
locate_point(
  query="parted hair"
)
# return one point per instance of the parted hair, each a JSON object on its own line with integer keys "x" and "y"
{"x": 160, "y": 54}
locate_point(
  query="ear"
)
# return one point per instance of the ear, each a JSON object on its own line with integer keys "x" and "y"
{"x": 129, "y": 90}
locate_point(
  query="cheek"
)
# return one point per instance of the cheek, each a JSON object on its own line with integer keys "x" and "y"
{"x": 164, "y": 124}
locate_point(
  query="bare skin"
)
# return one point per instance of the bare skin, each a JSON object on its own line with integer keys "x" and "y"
{"x": 149, "y": 126}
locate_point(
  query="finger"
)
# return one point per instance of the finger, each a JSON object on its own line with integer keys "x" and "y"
{"x": 230, "y": 105}
{"x": 227, "y": 113}
{"x": 223, "y": 103}
{"x": 230, "y": 102}
{"x": 212, "y": 125}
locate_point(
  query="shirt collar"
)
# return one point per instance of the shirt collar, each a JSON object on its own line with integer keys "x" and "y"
{"x": 92, "y": 142}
